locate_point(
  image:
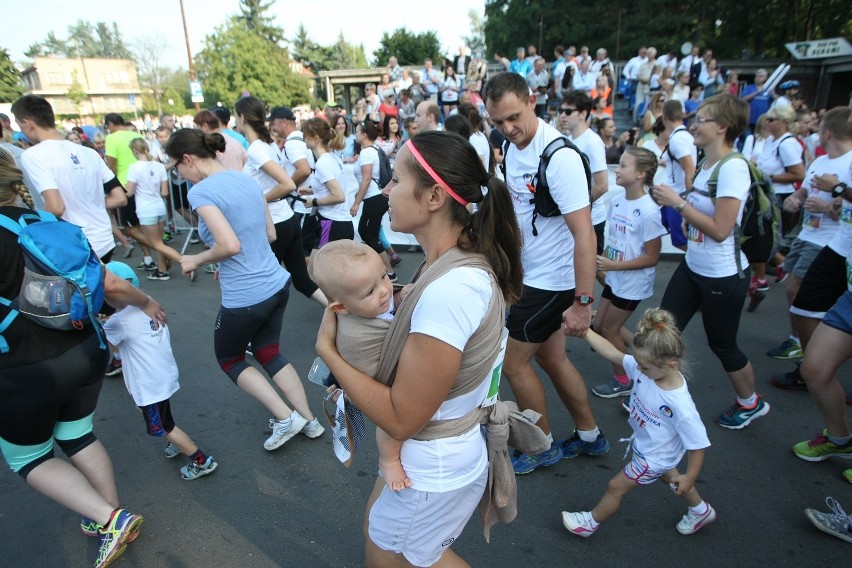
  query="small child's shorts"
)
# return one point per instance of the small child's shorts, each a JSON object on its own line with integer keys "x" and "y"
{"x": 642, "y": 472}
{"x": 158, "y": 418}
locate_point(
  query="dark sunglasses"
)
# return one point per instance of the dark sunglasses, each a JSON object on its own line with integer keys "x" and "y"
{"x": 567, "y": 111}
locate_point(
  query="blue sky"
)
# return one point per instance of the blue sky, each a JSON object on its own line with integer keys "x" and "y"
{"x": 28, "y": 21}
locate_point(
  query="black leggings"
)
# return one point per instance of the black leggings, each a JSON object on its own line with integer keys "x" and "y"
{"x": 721, "y": 301}
{"x": 259, "y": 325}
{"x": 288, "y": 249}
{"x": 371, "y": 221}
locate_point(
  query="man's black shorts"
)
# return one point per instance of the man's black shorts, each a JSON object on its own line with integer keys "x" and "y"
{"x": 538, "y": 314}
{"x": 822, "y": 286}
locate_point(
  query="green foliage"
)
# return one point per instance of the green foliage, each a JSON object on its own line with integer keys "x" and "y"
{"x": 253, "y": 16}
{"x": 408, "y": 47}
{"x": 348, "y": 55}
{"x": 340, "y": 55}
{"x": 732, "y": 28}
{"x": 84, "y": 40}
{"x": 76, "y": 94}
{"x": 174, "y": 85}
{"x": 10, "y": 80}
{"x": 235, "y": 60}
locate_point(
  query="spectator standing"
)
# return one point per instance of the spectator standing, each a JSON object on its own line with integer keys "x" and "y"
{"x": 538, "y": 80}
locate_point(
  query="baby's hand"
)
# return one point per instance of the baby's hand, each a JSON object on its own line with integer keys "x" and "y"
{"x": 405, "y": 291}
{"x": 394, "y": 475}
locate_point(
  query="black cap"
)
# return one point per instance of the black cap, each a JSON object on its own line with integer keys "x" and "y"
{"x": 114, "y": 118}
{"x": 282, "y": 112}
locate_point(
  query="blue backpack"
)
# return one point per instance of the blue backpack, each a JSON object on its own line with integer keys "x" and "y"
{"x": 63, "y": 286}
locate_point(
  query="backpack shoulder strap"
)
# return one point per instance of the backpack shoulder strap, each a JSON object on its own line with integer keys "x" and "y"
{"x": 506, "y": 144}
{"x": 714, "y": 175}
{"x": 554, "y": 146}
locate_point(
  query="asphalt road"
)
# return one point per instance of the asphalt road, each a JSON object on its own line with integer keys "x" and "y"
{"x": 299, "y": 507}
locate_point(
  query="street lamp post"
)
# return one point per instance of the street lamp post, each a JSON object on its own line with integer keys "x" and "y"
{"x": 188, "y": 52}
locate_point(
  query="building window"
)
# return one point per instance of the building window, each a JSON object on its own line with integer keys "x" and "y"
{"x": 57, "y": 79}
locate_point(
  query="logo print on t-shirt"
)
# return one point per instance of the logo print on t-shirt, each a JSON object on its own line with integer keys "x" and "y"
{"x": 75, "y": 159}
{"x": 666, "y": 410}
{"x": 636, "y": 213}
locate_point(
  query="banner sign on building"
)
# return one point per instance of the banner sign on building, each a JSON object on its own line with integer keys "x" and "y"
{"x": 820, "y": 48}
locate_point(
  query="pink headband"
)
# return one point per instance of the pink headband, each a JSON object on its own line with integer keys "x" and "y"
{"x": 433, "y": 174}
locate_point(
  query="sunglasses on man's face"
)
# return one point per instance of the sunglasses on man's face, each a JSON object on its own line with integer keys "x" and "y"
{"x": 567, "y": 111}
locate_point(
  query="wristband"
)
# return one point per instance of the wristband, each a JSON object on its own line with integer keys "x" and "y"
{"x": 680, "y": 206}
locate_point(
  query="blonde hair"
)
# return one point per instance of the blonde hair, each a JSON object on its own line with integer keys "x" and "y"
{"x": 657, "y": 334}
{"x": 140, "y": 147}
{"x": 12, "y": 181}
{"x": 332, "y": 263}
{"x": 646, "y": 162}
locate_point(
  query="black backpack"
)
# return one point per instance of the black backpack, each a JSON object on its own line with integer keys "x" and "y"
{"x": 385, "y": 169}
{"x": 542, "y": 200}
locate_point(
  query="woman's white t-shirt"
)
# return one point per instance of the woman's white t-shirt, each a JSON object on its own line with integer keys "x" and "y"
{"x": 790, "y": 152}
{"x": 819, "y": 228}
{"x": 330, "y": 167}
{"x": 630, "y": 225}
{"x": 148, "y": 175}
{"x": 449, "y": 95}
{"x": 368, "y": 156}
{"x": 259, "y": 153}
{"x": 705, "y": 256}
{"x": 480, "y": 143}
{"x": 450, "y": 310}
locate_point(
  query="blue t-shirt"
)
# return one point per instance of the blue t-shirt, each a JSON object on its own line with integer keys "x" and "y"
{"x": 758, "y": 105}
{"x": 522, "y": 68}
{"x": 690, "y": 106}
{"x": 253, "y": 274}
{"x": 236, "y": 136}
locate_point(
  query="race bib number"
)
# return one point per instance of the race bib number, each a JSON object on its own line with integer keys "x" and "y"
{"x": 695, "y": 235}
{"x": 613, "y": 253}
{"x": 846, "y": 212}
{"x": 812, "y": 220}
{"x": 496, "y": 371}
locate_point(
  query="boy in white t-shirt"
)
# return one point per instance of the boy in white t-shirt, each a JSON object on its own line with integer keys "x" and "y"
{"x": 151, "y": 376}
{"x": 353, "y": 278}
{"x": 665, "y": 423}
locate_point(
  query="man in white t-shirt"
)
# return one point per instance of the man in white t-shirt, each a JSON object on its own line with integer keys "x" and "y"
{"x": 682, "y": 155}
{"x": 643, "y": 80}
{"x": 538, "y": 80}
{"x": 73, "y": 180}
{"x": 601, "y": 61}
{"x": 298, "y": 162}
{"x": 575, "y": 111}
{"x": 559, "y": 262}
{"x": 631, "y": 72}
{"x": 584, "y": 78}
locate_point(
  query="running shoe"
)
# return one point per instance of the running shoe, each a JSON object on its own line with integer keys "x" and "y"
{"x": 790, "y": 349}
{"x": 780, "y": 274}
{"x": 194, "y": 470}
{"x": 524, "y": 464}
{"x": 167, "y": 238}
{"x": 171, "y": 451}
{"x": 847, "y": 475}
{"x": 755, "y": 299}
{"x": 821, "y": 448}
{"x": 128, "y": 250}
{"x": 89, "y": 527}
{"x": 149, "y": 266}
{"x": 791, "y": 380}
{"x": 395, "y": 259}
{"x": 210, "y": 268}
{"x": 612, "y": 389}
{"x": 691, "y": 523}
{"x": 579, "y": 523}
{"x": 114, "y": 368}
{"x": 157, "y": 275}
{"x": 574, "y": 446}
{"x": 738, "y": 417}
{"x": 113, "y": 538}
{"x": 836, "y": 522}
{"x": 761, "y": 285}
{"x": 194, "y": 240}
{"x": 313, "y": 429}
{"x": 283, "y": 430}
{"x": 392, "y": 276}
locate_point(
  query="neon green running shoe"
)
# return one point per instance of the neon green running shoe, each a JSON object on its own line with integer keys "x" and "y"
{"x": 848, "y": 475}
{"x": 123, "y": 527}
{"x": 821, "y": 448}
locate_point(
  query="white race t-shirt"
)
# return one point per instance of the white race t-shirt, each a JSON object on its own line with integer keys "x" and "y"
{"x": 662, "y": 175}
{"x": 79, "y": 174}
{"x": 630, "y": 225}
{"x": 295, "y": 149}
{"x": 665, "y": 422}
{"x": 681, "y": 144}
{"x": 548, "y": 259}
{"x": 259, "y": 153}
{"x": 480, "y": 143}
{"x": 369, "y": 155}
{"x": 819, "y": 228}
{"x": 330, "y": 167}
{"x": 148, "y": 175}
{"x": 790, "y": 152}
{"x": 842, "y": 241}
{"x": 705, "y": 256}
{"x": 593, "y": 147}
{"x": 149, "y": 368}
{"x": 451, "y": 309}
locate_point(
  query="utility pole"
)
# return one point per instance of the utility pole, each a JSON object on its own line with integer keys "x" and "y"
{"x": 189, "y": 52}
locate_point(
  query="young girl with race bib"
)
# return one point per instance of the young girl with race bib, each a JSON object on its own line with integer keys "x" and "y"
{"x": 665, "y": 423}
{"x": 632, "y": 251}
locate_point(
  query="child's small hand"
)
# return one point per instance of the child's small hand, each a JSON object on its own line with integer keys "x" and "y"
{"x": 683, "y": 483}
{"x": 405, "y": 291}
{"x": 603, "y": 263}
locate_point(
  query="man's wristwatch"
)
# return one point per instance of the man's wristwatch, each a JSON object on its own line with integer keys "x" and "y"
{"x": 314, "y": 201}
{"x": 584, "y": 299}
{"x": 839, "y": 189}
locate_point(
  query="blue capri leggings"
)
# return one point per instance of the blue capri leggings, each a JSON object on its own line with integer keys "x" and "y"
{"x": 50, "y": 400}
{"x": 259, "y": 325}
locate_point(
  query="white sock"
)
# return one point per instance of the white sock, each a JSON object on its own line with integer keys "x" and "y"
{"x": 838, "y": 441}
{"x": 589, "y": 435}
{"x": 148, "y": 260}
{"x": 700, "y": 509}
{"x": 550, "y": 438}
{"x": 748, "y": 402}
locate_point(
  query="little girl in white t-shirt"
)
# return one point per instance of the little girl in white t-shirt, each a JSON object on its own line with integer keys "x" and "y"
{"x": 633, "y": 241}
{"x": 665, "y": 423}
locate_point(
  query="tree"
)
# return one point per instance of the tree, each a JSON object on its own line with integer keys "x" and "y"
{"x": 349, "y": 56}
{"x": 76, "y": 94}
{"x": 310, "y": 53}
{"x": 84, "y": 40}
{"x": 476, "y": 40}
{"x": 152, "y": 73}
{"x": 253, "y": 15}
{"x": 235, "y": 60}
{"x": 10, "y": 80}
{"x": 408, "y": 47}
